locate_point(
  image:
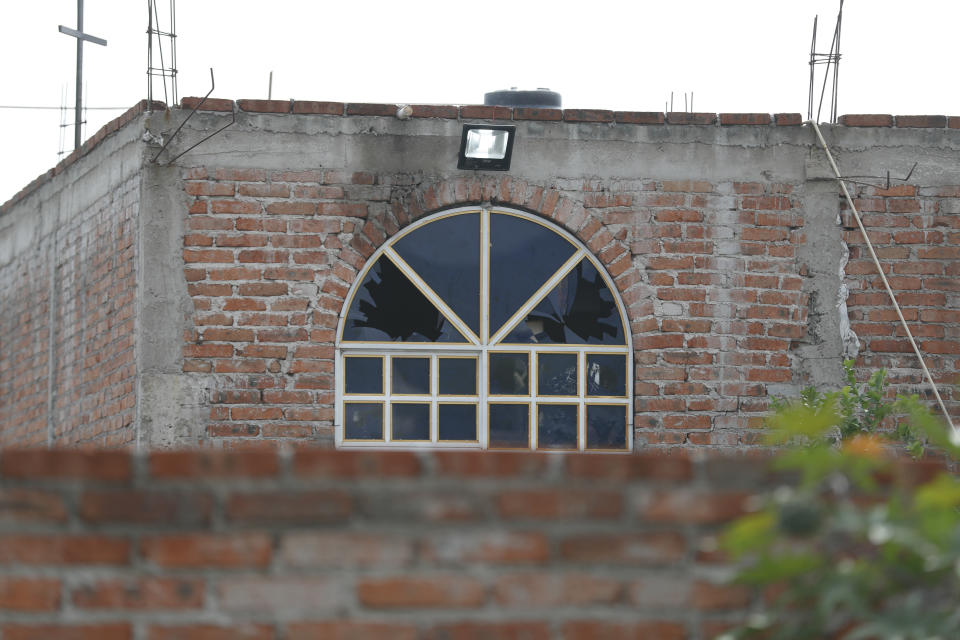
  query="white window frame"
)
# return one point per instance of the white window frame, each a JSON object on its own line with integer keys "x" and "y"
{"x": 480, "y": 346}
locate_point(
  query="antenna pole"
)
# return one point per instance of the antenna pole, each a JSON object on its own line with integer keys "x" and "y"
{"x": 80, "y": 36}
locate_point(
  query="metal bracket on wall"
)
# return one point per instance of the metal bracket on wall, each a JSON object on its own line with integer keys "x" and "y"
{"x": 233, "y": 119}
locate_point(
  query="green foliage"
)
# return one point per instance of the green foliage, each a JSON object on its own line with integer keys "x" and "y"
{"x": 852, "y": 547}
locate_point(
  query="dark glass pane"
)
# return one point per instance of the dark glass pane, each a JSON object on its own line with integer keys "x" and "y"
{"x": 362, "y": 421}
{"x": 457, "y": 422}
{"x": 363, "y": 375}
{"x": 387, "y": 307}
{"x": 579, "y": 310}
{"x": 458, "y": 376}
{"x": 509, "y": 374}
{"x": 509, "y": 426}
{"x": 606, "y": 426}
{"x": 606, "y": 374}
{"x": 523, "y": 255}
{"x": 557, "y": 374}
{"x": 446, "y": 254}
{"x": 411, "y": 421}
{"x": 410, "y": 375}
{"x": 557, "y": 426}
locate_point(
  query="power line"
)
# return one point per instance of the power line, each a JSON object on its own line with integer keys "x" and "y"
{"x": 14, "y": 106}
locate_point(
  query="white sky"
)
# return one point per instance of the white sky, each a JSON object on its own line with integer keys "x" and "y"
{"x": 734, "y": 55}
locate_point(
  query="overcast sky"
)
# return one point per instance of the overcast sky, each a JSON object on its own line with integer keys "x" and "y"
{"x": 734, "y": 55}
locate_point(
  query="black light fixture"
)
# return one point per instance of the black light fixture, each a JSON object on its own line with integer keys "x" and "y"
{"x": 486, "y": 147}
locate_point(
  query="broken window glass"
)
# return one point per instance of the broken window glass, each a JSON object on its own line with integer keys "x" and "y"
{"x": 388, "y": 307}
{"x": 523, "y": 256}
{"x": 579, "y": 310}
{"x": 446, "y": 254}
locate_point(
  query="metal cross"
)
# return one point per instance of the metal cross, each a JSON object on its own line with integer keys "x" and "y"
{"x": 80, "y": 36}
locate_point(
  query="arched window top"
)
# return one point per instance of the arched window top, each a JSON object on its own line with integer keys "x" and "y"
{"x": 484, "y": 328}
{"x": 483, "y": 277}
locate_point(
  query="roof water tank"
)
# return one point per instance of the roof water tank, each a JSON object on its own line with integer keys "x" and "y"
{"x": 539, "y": 99}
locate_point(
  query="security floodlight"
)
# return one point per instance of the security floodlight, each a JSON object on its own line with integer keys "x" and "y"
{"x": 486, "y": 147}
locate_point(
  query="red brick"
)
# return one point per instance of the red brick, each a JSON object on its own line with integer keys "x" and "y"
{"x": 30, "y": 505}
{"x": 314, "y": 463}
{"x": 867, "y": 120}
{"x": 319, "y": 108}
{"x": 546, "y": 504}
{"x": 532, "y": 113}
{"x": 29, "y": 594}
{"x": 106, "y": 466}
{"x": 638, "y": 117}
{"x": 490, "y": 631}
{"x": 788, "y": 119}
{"x": 285, "y": 507}
{"x": 744, "y": 118}
{"x": 694, "y": 507}
{"x": 113, "y": 631}
{"x": 485, "y": 112}
{"x": 601, "y": 630}
{"x": 707, "y": 596}
{"x": 264, "y": 106}
{"x": 936, "y": 122}
{"x": 43, "y": 549}
{"x": 682, "y": 117}
{"x": 434, "y": 111}
{"x": 366, "y": 109}
{"x": 145, "y": 507}
{"x": 423, "y": 592}
{"x": 210, "y": 104}
{"x": 144, "y": 594}
{"x": 486, "y": 547}
{"x": 199, "y": 464}
{"x": 222, "y": 551}
{"x": 554, "y": 589}
{"x": 336, "y": 549}
{"x": 352, "y": 630}
{"x": 587, "y": 115}
{"x": 655, "y": 548}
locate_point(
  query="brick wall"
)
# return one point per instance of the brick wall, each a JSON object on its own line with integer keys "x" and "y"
{"x": 708, "y": 272}
{"x": 916, "y": 234}
{"x": 68, "y": 371}
{"x": 326, "y": 544}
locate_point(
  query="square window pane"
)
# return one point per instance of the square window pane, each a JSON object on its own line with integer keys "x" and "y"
{"x": 363, "y": 374}
{"x": 458, "y": 376}
{"x": 410, "y": 376}
{"x": 509, "y": 426}
{"x": 457, "y": 422}
{"x": 411, "y": 421}
{"x": 509, "y": 374}
{"x": 557, "y": 374}
{"x": 557, "y": 426}
{"x": 606, "y": 374}
{"x": 607, "y": 426}
{"x": 362, "y": 421}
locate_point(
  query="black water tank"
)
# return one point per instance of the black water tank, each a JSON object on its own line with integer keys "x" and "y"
{"x": 539, "y": 99}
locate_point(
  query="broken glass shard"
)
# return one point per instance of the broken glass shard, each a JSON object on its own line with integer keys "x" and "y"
{"x": 388, "y": 307}
{"x": 579, "y": 310}
{"x": 446, "y": 254}
{"x": 523, "y": 256}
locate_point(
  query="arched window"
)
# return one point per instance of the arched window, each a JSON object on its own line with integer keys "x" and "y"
{"x": 484, "y": 328}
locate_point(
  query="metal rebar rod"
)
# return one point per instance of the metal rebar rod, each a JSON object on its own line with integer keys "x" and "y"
{"x": 883, "y": 277}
